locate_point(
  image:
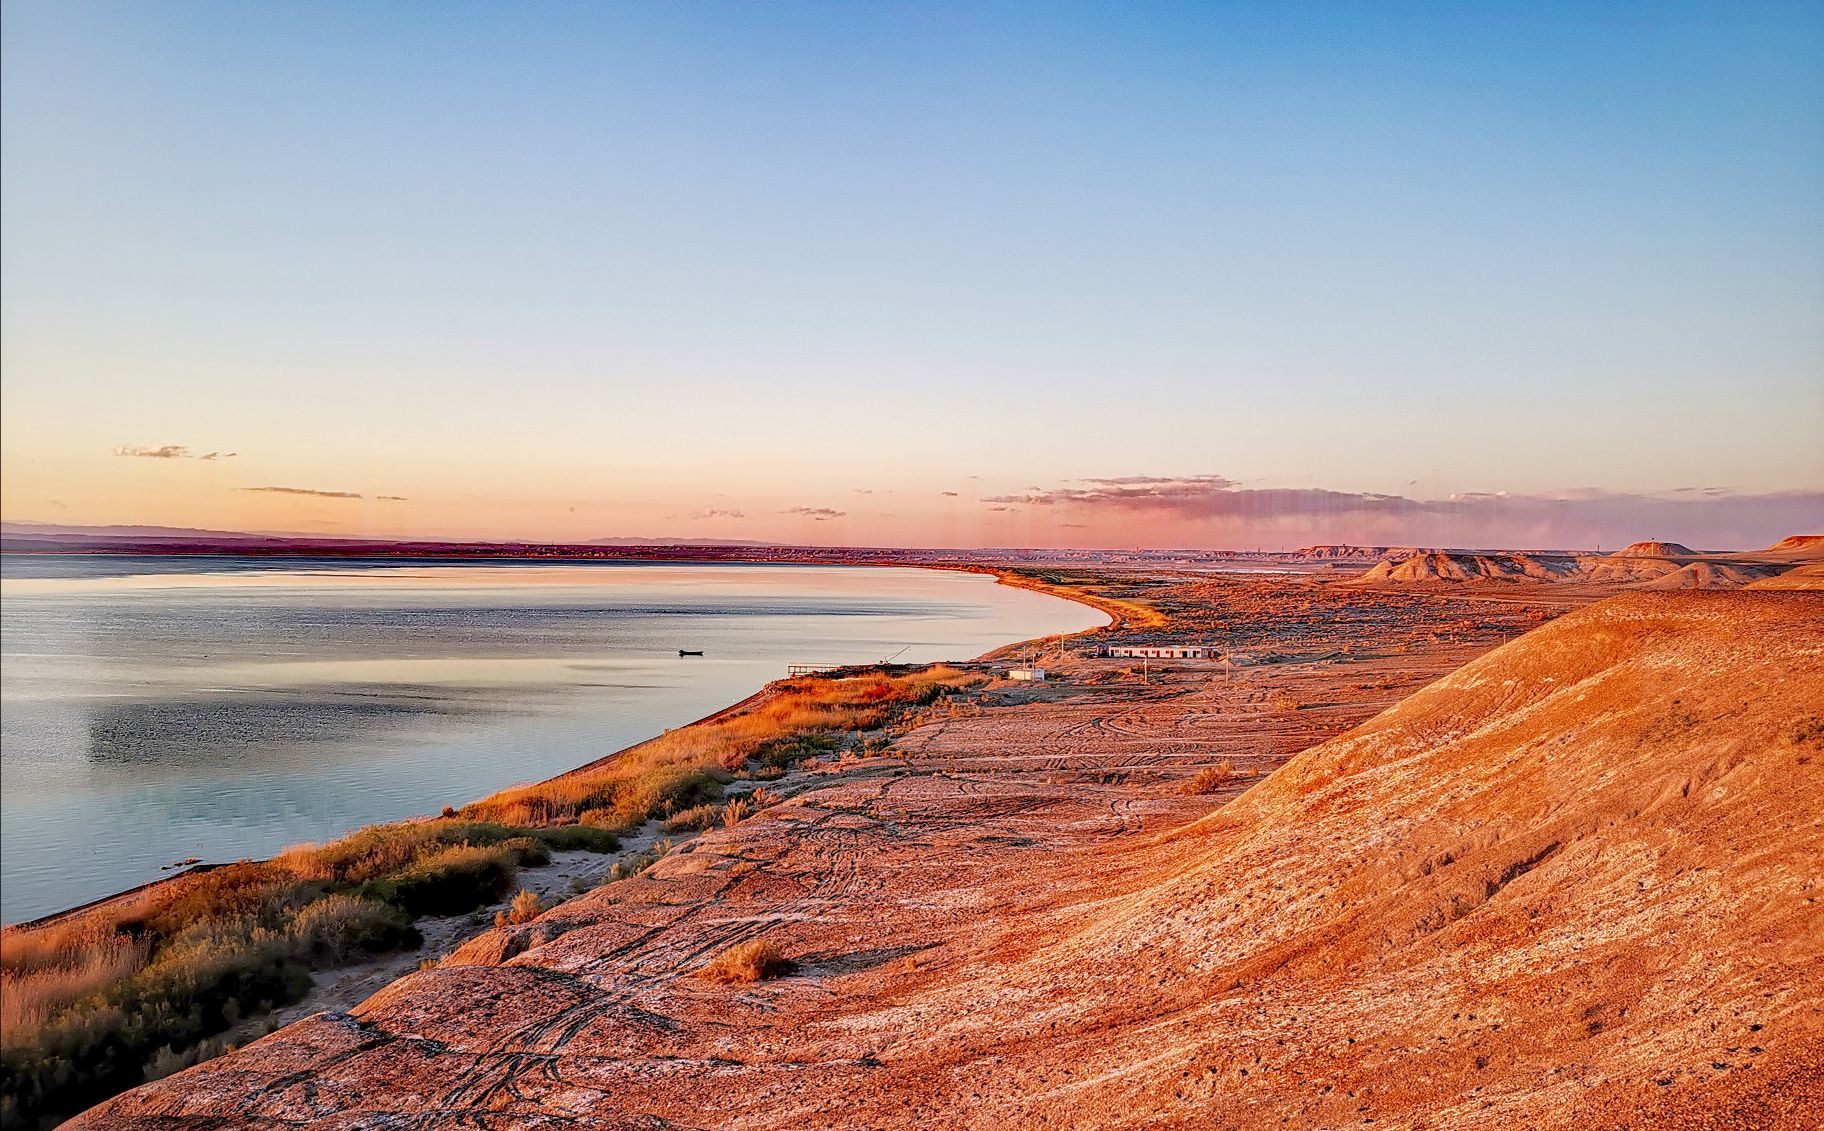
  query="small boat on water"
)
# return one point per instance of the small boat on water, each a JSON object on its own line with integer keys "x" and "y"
{"x": 687, "y": 652}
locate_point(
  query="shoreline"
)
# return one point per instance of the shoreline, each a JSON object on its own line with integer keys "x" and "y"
{"x": 1111, "y": 607}
{"x": 995, "y": 846}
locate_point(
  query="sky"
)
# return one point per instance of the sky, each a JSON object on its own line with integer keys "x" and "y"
{"x": 1135, "y": 274}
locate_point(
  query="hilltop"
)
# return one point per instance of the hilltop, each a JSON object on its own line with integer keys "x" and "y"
{"x": 1569, "y": 885}
{"x": 1798, "y": 547}
{"x": 1651, "y": 565}
{"x": 1655, "y": 550}
{"x": 1343, "y": 553}
{"x": 1446, "y": 565}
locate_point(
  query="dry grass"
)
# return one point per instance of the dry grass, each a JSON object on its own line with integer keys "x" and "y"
{"x": 693, "y": 820}
{"x": 749, "y": 962}
{"x": 103, "y": 1000}
{"x": 43, "y": 973}
{"x": 736, "y": 811}
{"x": 526, "y": 906}
{"x": 741, "y": 808}
{"x": 686, "y": 768}
{"x": 1210, "y": 778}
{"x": 92, "y": 1005}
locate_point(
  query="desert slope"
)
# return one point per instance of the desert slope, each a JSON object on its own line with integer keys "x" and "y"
{"x": 1810, "y": 576}
{"x": 1451, "y": 565}
{"x": 1655, "y": 550}
{"x": 1642, "y": 565}
{"x": 1573, "y": 884}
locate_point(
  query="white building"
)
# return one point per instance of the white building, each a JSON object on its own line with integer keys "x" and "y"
{"x": 1158, "y": 651}
{"x": 1037, "y": 674}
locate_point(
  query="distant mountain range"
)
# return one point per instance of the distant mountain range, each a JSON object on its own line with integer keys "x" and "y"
{"x": 40, "y": 533}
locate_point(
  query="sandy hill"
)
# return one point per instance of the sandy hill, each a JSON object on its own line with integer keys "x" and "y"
{"x": 1655, "y": 550}
{"x": 1714, "y": 575}
{"x": 1661, "y": 566}
{"x": 1799, "y": 577}
{"x": 1446, "y": 565}
{"x": 1572, "y": 885}
{"x": 1797, "y": 548}
{"x": 1355, "y": 553}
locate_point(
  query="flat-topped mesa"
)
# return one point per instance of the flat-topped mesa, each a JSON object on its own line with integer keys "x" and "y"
{"x": 1654, "y": 550}
{"x": 1571, "y": 885}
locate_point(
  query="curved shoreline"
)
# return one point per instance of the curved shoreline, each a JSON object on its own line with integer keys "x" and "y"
{"x": 1113, "y": 608}
{"x": 1009, "y": 578}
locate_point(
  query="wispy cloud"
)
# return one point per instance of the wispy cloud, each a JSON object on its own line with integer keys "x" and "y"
{"x": 392, "y": 498}
{"x": 163, "y": 451}
{"x": 711, "y": 513}
{"x": 315, "y": 494}
{"x": 1218, "y": 510}
{"x": 949, "y": 494}
{"x": 168, "y": 451}
{"x": 820, "y": 514}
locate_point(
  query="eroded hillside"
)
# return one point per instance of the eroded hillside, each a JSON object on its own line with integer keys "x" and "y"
{"x": 1574, "y": 883}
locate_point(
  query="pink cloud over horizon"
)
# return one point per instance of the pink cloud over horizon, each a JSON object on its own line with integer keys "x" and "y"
{"x": 1214, "y": 511}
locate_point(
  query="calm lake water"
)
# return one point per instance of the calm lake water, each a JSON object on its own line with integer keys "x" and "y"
{"x": 154, "y": 709}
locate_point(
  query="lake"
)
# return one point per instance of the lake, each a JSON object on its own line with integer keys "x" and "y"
{"x": 156, "y": 709}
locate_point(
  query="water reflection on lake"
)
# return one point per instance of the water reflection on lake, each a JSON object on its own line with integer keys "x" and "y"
{"x": 156, "y": 709}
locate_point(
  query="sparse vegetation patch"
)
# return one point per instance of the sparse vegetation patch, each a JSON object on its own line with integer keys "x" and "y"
{"x": 1210, "y": 778}
{"x": 137, "y": 989}
{"x": 747, "y": 962}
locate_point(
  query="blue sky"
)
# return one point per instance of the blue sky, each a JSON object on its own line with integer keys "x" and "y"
{"x": 574, "y": 270}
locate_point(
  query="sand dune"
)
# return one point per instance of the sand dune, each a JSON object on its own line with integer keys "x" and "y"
{"x": 1571, "y": 885}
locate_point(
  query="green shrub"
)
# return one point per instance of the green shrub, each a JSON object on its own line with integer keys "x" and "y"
{"x": 201, "y": 983}
{"x": 448, "y": 882}
{"x": 338, "y": 928}
{"x": 258, "y": 892}
{"x": 580, "y": 837}
{"x": 528, "y": 852}
{"x": 666, "y": 790}
{"x": 786, "y": 752}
